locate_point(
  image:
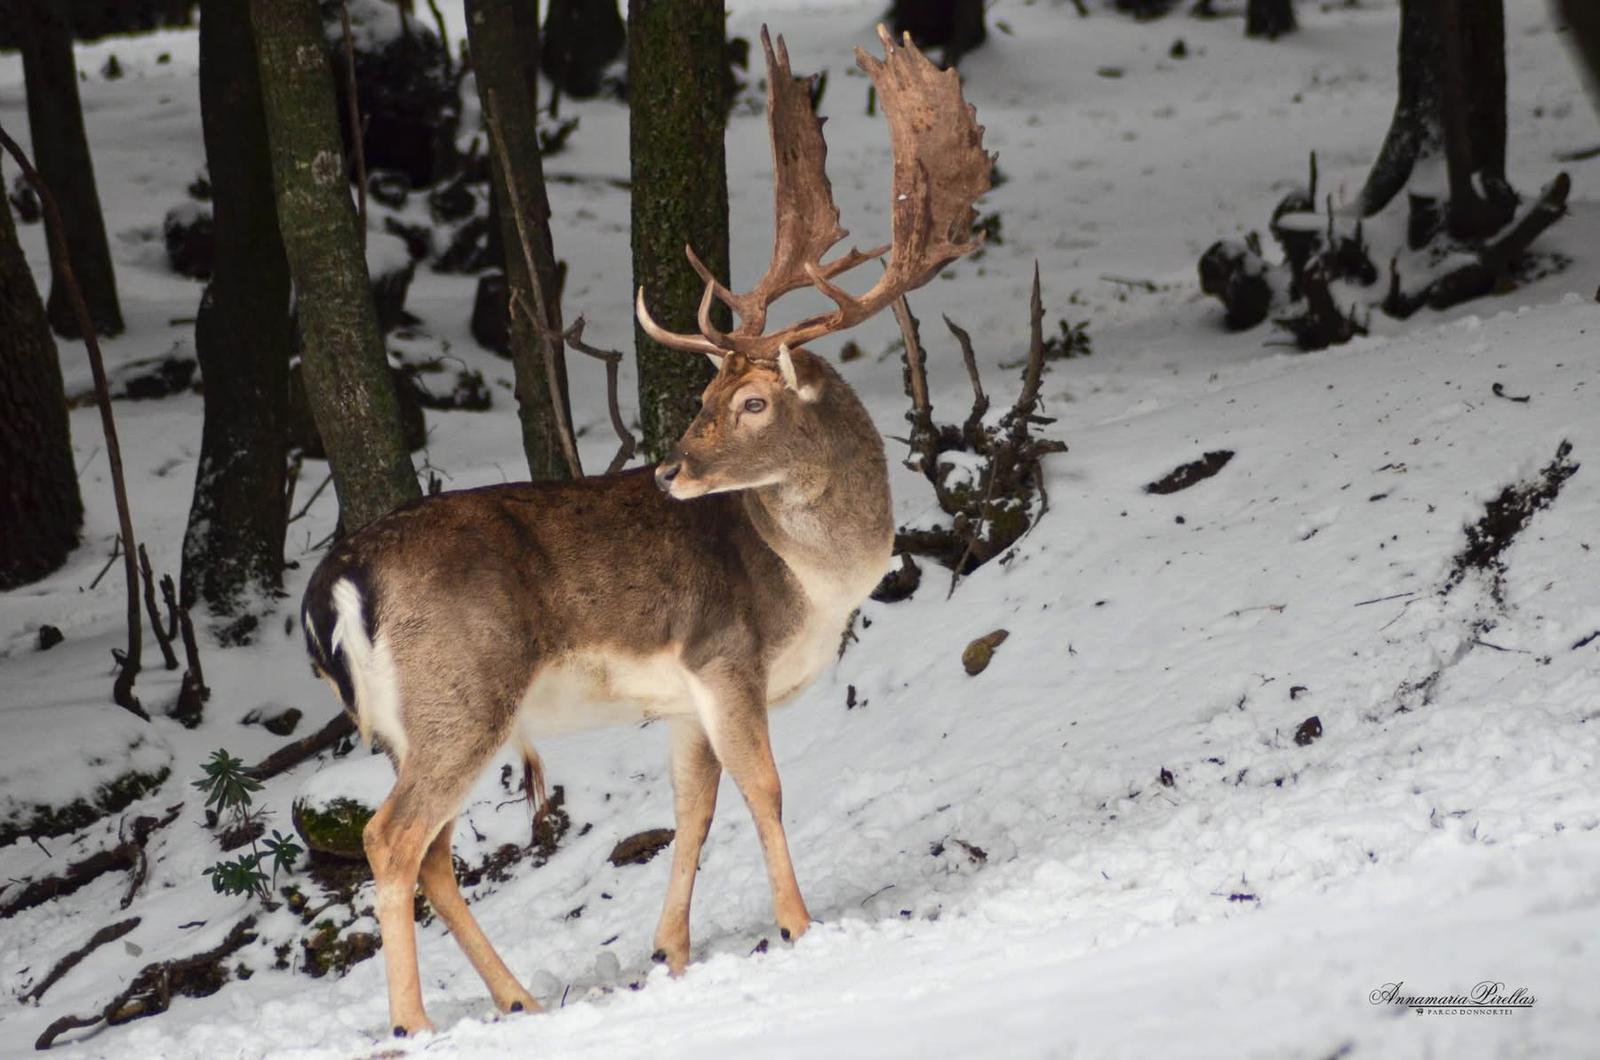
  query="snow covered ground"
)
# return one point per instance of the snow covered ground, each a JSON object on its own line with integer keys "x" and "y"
{"x": 996, "y": 863}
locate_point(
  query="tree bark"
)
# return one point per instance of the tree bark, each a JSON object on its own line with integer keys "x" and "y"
{"x": 1581, "y": 19}
{"x": 676, "y": 56}
{"x": 40, "y": 507}
{"x": 1452, "y": 102}
{"x": 581, "y": 38}
{"x": 1269, "y": 18}
{"x": 348, "y": 382}
{"x": 233, "y": 548}
{"x": 1414, "y": 133}
{"x": 61, "y": 153}
{"x": 1473, "y": 98}
{"x": 955, "y": 25}
{"x": 504, "y": 38}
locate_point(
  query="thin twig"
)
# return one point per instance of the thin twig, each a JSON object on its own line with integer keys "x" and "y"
{"x": 972, "y": 430}
{"x": 311, "y": 499}
{"x": 1028, "y": 399}
{"x": 357, "y": 129}
{"x": 444, "y": 41}
{"x": 924, "y": 435}
{"x": 122, "y": 688}
{"x": 191, "y": 650}
{"x": 1381, "y": 599}
{"x": 626, "y": 445}
{"x": 167, "y": 655}
{"x": 116, "y": 550}
{"x": 551, "y": 351}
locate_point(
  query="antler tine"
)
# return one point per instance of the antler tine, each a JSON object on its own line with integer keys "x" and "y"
{"x": 672, "y": 339}
{"x": 940, "y": 171}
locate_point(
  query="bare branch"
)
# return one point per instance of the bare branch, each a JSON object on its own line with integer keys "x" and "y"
{"x": 167, "y": 655}
{"x": 122, "y": 688}
{"x": 924, "y": 435}
{"x": 972, "y": 430}
{"x": 357, "y": 127}
{"x": 541, "y": 312}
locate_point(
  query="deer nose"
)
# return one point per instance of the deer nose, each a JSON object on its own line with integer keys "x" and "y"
{"x": 666, "y": 471}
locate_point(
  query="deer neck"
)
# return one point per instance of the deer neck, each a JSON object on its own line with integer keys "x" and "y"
{"x": 831, "y": 523}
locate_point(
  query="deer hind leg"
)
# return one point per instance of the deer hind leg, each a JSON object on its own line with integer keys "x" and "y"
{"x": 695, "y": 773}
{"x": 426, "y": 797}
{"x": 438, "y": 878}
{"x": 734, "y": 714}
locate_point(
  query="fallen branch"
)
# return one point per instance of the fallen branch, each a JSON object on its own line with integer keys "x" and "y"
{"x": 122, "y": 687}
{"x": 291, "y": 755}
{"x": 1480, "y": 277}
{"x": 109, "y": 933}
{"x": 573, "y": 336}
{"x": 151, "y": 991}
{"x": 127, "y": 855}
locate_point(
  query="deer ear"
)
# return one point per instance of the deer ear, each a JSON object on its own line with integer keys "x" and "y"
{"x": 808, "y": 389}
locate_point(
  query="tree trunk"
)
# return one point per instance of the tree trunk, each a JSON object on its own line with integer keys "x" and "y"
{"x": 581, "y": 38}
{"x": 954, "y": 25}
{"x": 1269, "y": 18}
{"x": 1473, "y": 96}
{"x": 348, "y": 382}
{"x": 61, "y": 153}
{"x": 233, "y": 548}
{"x": 1452, "y": 102}
{"x": 676, "y": 57}
{"x": 39, "y": 503}
{"x": 1414, "y": 131}
{"x": 1582, "y": 22}
{"x": 504, "y": 38}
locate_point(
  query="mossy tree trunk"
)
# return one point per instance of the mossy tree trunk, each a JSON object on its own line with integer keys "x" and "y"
{"x": 676, "y": 60}
{"x": 504, "y": 38}
{"x": 39, "y": 503}
{"x": 233, "y": 548}
{"x": 348, "y": 382}
{"x": 61, "y": 153}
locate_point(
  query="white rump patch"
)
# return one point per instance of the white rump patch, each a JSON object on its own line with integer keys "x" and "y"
{"x": 372, "y": 672}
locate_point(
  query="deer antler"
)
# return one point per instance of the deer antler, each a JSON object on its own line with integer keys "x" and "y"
{"x": 940, "y": 170}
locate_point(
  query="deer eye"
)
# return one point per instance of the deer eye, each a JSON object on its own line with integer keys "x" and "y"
{"x": 755, "y": 404}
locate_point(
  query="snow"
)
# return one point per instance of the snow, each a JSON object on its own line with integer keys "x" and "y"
{"x": 1441, "y": 831}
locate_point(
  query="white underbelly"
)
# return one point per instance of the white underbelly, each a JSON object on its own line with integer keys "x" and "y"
{"x": 581, "y": 692}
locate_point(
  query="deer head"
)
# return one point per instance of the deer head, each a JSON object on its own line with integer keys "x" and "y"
{"x": 767, "y": 388}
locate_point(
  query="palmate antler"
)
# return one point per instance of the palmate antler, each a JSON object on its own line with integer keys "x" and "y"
{"x": 940, "y": 170}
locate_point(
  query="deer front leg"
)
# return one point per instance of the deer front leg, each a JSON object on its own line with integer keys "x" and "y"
{"x": 734, "y": 714}
{"x": 695, "y": 774}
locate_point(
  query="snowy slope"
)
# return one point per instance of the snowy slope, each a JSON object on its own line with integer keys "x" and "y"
{"x": 1252, "y": 906}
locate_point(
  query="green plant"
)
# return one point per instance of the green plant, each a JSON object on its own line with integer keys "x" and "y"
{"x": 228, "y": 789}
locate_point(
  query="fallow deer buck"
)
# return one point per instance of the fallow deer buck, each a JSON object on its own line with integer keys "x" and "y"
{"x": 701, "y": 594}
